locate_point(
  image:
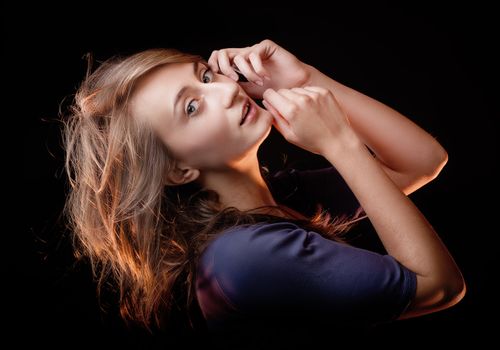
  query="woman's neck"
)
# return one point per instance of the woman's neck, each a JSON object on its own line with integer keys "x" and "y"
{"x": 242, "y": 189}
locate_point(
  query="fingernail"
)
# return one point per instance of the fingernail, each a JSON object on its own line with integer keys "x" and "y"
{"x": 235, "y": 77}
{"x": 259, "y": 82}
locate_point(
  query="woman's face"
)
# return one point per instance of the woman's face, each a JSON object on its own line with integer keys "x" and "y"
{"x": 201, "y": 126}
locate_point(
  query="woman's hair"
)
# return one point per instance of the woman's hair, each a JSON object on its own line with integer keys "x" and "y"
{"x": 140, "y": 233}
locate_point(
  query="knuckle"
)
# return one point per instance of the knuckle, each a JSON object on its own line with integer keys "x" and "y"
{"x": 303, "y": 99}
{"x": 262, "y": 73}
{"x": 315, "y": 96}
{"x": 259, "y": 71}
{"x": 324, "y": 92}
{"x": 292, "y": 110}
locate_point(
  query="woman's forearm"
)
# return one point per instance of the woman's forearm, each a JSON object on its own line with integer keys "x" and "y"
{"x": 402, "y": 228}
{"x": 398, "y": 143}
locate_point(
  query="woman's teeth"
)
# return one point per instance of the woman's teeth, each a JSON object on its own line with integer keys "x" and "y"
{"x": 247, "y": 109}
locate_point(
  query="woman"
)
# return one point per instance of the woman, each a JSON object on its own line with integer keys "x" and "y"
{"x": 168, "y": 199}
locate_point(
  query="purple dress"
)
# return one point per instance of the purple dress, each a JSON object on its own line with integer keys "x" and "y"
{"x": 254, "y": 276}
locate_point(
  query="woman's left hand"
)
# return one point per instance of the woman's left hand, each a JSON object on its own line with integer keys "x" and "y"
{"x": 265, "y": 65}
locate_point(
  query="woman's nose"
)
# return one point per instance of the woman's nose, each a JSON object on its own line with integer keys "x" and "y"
{"x": 229, "y": 91}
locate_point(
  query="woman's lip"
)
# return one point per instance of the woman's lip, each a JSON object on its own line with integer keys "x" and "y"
{"x": 245, "y": 103}
{"x": 251, "y": 114}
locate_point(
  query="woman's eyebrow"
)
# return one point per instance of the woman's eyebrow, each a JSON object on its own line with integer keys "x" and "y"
{"x": 184, "y": 88}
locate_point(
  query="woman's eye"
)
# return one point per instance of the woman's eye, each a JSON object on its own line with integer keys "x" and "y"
{"x": 190, "y": 109}
{"x": 208, "y": 70}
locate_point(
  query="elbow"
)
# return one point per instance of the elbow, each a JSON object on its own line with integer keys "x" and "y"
{"x": 439, "y": 159}
{"x": 429, "y": 169}
{"x": 457, "y": 291}
{"x": 452, "y": 293}
{"x": 433, "y": 296}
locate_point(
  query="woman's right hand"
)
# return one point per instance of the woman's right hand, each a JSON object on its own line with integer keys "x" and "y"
{"x": 310, "y": 118}
{"x": 283, "y": 69}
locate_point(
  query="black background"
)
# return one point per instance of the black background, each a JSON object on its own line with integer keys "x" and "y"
{"x": 435, "y": 64}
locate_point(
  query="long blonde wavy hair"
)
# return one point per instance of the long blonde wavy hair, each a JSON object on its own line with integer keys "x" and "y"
{"x": 140, "y": 234}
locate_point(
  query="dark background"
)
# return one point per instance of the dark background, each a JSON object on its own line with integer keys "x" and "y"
{"x": 435, "y": 64}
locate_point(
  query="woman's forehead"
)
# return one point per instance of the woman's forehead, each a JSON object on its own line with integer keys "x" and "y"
{"x": 155, "y": 93}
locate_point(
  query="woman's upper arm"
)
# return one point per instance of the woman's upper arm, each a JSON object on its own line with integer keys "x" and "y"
{"x": 283, "y": 267}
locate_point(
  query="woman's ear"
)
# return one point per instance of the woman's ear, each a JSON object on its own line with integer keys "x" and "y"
{"x": 182, "y": 175}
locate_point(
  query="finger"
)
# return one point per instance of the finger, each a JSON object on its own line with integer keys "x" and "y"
{"x": 273, "y": 111}
{"x": 321, "y": 91}
{"x": 265, "y": 49}
{"x": 225, "y": 65}
{"x": 291, "y": 95}
{"x": 279, "y": 122}
{"x": 247, "y": 70}
{"x": 258, "y": 66}
{"x": 302, "y": 91}
{"x": 253, "y": 90}
{"x": 212, "y": 61}
{"x": 317, "y": 89}
{"x": 280, "y": 102}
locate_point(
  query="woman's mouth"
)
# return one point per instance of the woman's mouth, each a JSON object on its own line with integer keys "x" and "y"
{"x": 248, "y": 112}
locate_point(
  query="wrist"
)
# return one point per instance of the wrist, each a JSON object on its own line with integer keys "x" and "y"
{"x": 313, "y": 76}
{"x": 344, "y": 149}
